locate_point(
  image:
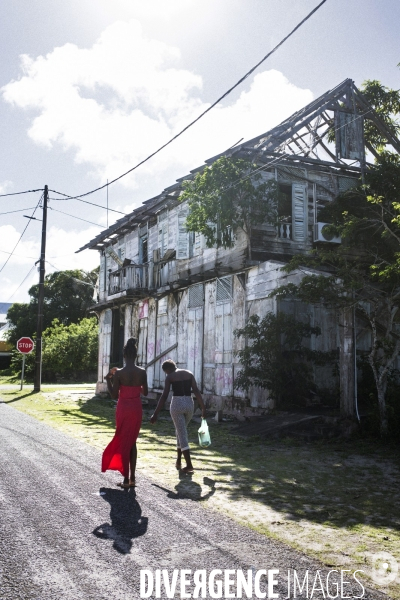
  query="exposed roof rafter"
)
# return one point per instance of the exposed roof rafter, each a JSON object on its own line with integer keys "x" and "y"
{"x": 304, "y": 137}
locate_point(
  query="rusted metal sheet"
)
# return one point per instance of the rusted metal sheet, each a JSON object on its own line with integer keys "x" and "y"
{"x": 349, "y": 135}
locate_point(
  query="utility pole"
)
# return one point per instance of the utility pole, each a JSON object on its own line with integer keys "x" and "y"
{"x": 39, "y": 329}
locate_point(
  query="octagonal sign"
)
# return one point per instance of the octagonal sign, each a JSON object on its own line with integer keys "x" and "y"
{"x": 25, "y": 345}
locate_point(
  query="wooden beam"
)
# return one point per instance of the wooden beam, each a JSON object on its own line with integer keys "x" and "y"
{"x": 160, "y": 355}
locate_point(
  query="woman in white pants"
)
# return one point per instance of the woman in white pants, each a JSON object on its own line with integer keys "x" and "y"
{"x": 183, "y": 384}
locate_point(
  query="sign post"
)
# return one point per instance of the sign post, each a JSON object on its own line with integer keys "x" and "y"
{"x": 25, "y": 346}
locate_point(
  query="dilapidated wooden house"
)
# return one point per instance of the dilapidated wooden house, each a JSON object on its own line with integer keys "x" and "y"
{"x": 162, "y": 285}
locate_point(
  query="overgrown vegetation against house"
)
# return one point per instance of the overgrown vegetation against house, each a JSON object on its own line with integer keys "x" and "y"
{"x": 230, "y": 194}
{"x": 278, "y": 358}
{"x": 363, "y": 273}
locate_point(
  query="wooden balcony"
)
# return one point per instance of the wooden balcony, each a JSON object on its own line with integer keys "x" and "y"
{"x": 136, "y": 279}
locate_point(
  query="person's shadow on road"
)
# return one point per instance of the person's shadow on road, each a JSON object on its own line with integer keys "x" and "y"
{"x": 126, "y": 518}
{"x": 189, "y": 489}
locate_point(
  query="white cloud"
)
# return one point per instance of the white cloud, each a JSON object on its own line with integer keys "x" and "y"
{"x": 116, "y": 102}
{"x": 5, "y": 186}
{"x": 60, "y": 256}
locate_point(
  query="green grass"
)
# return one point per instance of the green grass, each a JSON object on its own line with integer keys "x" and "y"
{"x": 337, "y": 501}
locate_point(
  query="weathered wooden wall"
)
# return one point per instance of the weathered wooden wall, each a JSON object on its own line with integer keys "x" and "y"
{"x": 203, "y": 334}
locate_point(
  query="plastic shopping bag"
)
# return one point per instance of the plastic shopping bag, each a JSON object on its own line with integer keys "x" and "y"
{"x": 204, "y": 434}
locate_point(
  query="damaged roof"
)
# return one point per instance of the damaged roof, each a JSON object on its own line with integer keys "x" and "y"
{"x": 302, "y": 138}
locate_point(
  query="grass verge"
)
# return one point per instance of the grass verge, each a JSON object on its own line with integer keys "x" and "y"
{"x": 336, "y": 501}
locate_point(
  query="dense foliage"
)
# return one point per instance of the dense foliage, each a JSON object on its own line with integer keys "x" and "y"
{"x": 386, "y": 103}
{"x": 65, "y": 299}
{"x": 69, "y": 351}
{"x": 228, "y": 196}
{"x": 277, "y": 357}
{"x": 364, "y": 271}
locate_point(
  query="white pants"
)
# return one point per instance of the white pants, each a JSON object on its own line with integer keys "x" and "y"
{"x": 182, "y": 408}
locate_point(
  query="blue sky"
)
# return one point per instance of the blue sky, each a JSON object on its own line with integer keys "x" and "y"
{"x": 90, "y": 87}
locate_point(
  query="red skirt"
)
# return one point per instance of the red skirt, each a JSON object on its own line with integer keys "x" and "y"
{"x": 128, "y": 421}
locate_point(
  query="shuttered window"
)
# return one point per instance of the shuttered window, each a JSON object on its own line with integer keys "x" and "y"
{"x": 163, "y": 232}
{"x": 223, "y": 333}
{"x": 224, "y": 289}
{"x": 196, "y": 295}
{"x": 299, "y": 212}
{"x": 223, "y": 321}
{"x": 182, "y": 250}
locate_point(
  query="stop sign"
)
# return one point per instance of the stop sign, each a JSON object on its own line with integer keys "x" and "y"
{"x": 25, "y": 345}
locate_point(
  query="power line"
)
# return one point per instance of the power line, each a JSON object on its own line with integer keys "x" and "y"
{"x": 19, "y": 193}
{"x": 20, "y": 238}
{"x": 274, "y": 161}
{"x": 19, "y": 210}
{"x": 205, "y": 111}
{"x": 75, "y": 217}
{"x": 18, "y": 255}
{"x": 85, "y": 201}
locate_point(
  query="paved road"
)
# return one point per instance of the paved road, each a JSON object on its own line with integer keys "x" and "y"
{"x": 66, "y": 531}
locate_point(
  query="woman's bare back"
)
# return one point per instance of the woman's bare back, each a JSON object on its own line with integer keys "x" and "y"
{"x": 132, "y": 375}
{"x": 180, "y": 375}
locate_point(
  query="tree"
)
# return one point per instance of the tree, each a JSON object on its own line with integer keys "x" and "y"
{"x": 223, "y": 198}
{"x": 363, "y": 273}
{"x": 386, "y": 103}
{"x": 276, "y": 357}
{"x": 65, "y": 299}
{"x": 68, "y": 350}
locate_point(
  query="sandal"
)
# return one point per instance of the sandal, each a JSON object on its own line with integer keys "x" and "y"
{"x": 125, "y": 486}
{"x": 187, "y": 470}
{"x": 178, "y": 465}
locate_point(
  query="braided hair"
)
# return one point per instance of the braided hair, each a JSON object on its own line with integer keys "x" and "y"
{"x": 130, "y": 349}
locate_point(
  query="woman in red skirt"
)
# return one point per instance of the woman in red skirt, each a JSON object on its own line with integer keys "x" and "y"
{"x": 126, "y": 384}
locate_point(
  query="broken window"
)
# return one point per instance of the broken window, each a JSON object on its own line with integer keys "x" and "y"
{"x": 143, "y": 249}
{"x": 285, "y": 203}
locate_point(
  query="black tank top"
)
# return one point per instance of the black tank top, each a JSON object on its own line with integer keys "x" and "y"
{"x": 182, "y": 388}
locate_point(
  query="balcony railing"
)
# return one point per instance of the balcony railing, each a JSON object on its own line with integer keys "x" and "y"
{"x": 285, "y": 231}
{"x": 131, "y": 277}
